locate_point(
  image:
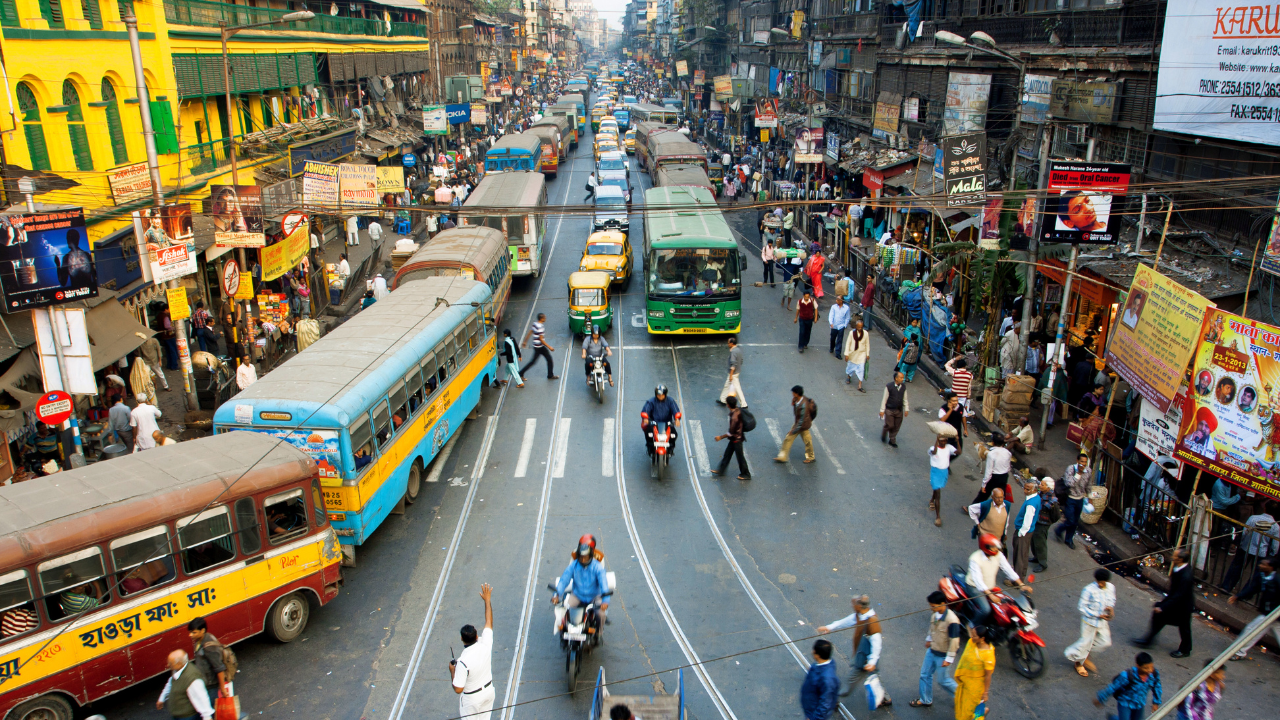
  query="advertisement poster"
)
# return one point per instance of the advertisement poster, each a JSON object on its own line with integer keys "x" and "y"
{"x": 129, "y": 183}
{"x": 357, "y": 185}
{"x": 699, "y": 77}
{"x": 682, "y": 68}
{"x": 888, "y": 111}
{"x": 911, "y": 109}
{"x": 459, "y": 113}
{"x": 767, "y": 114}
{"x": 179, "y": 308}
{"x": 283, "y": 256}
{"x": 724, "y": 87}
{"x": 966, "y": 106}
{"x": 436, "y": 122}
{"x": 479, "y": 113}
{"x": 321, "y": 445}
{"x": 1271, "y": 255}
{"x": 1222, "y": 80}
{"x": 808, "y": 145}
{"x": 237, "y": 215}
{"x": 989, "y": 239}
{"x": 390, "y": 180}
{"x": 964, "y": 169}
{"x": 319, "y": 184}
{"x": 1082, "y": 196}
{"x": 45, "y": 259}
{"x": 1156, "y": 335}
{"x": 1231, "y": 419}
{"x": 1035, "y": 98}
{"x": 1158, "y": 431}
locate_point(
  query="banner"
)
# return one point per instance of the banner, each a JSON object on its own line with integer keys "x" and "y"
{"x": 285, "y": 255}
{"x": 357, "y": 185}
{"x": 129, "y": 183}
{"x": 179, "y": 308}
{"x": 1271, "y": 255}
{"x": 1083, "y": 101}
{"x": 724, "y": 86}
{"x": 1221, "y": 81}
{"x": 964, "y": 169}
{"x": 237, "y": 215}
{"x": 479, "y": 113}
{"x": 436, "y": 122}
{"x": 1078, "y": 208}
{"x": 390, "y": 180}
{"x": 1231, "y": 419}
{"x": 1156, "y": 335}
{"x": 1035, "y": 97}
{"x": 682, "y": 68}
{"x": 808, "y": 145}
{"x": 1158, "y": 431}
{"x": 45, "y": 259}
{"x": 767, "y": 114}
{"x": 699, "y": 77}
{"x": 966, "y": 107}
{"x": 989, "y": 238}
{"x": 319, "y": 184}
{"x": 888, "y": 112}
{"x": 458, "y": 113}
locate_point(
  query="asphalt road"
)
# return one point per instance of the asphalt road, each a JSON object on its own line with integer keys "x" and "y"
{"x": 729, "y": 576}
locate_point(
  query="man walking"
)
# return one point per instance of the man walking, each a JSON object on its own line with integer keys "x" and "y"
{"x": 818, "y": 694}
{"x": 353, "y": 231}
{"x": 1097, "y": 606}
{"x": 150, "y": 352}
{"x": 894, "y": 406}
{"x": 857, "y": 351}
{"x": 592, "y": 182}
{"x": 804, "y": 411}
{"x": 733, "y": 383}
{"x": 143, "y": 421}
{"x": 868, "y": 300}
{"x": 1176, "y": 607}
{"x": 510, "y": 354}
{"x": 996, "y": 474}
{"x": 838, "y": 317}
{"x": 1130, "y": 689}
{"x": 867, "y": 641}
{"x": 541, "y": 349}
{"x": 1076, "y": 481}
{"x": 118, "y": 424}
{"x": 806, "y": 314}
{"x": 210, "y": 659}
{"x": 472, "y": 672}
{"x": 940, "y": 646}
{"x": 1050, "y": 512}
{"x": 1266, "y": 583}
{"x": 184, "y": 694}
{"x": 1024, "y": 526}
{"x": 736, "y": 436}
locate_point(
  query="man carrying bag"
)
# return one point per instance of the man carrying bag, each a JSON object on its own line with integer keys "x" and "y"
{"x": 218, "y": 664}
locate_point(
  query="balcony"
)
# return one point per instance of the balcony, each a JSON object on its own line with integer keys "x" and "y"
{"x": 1140, "y": 24}
{"x": 202, "y": 13}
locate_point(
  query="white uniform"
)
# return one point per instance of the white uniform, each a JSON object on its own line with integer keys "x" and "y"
{"x": 474, "y": 674}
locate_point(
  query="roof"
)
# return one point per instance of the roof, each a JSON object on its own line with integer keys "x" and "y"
{"x": 682, "y": 175}
{"x": 589, "y": 279}
{"x": 475, "y": 247}
{"x": 694, "y": 216}
{"x": 615, "y": 237}
{"x": 519, "y": 189}
{"x": 518, "y": 141}
{"x": 52, "y": 515}
{"x": 675, "y": 144}
{"x": 560, "y": 122}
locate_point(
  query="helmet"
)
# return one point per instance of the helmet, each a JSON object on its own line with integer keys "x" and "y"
{"x": 989, "y": 543}
{"x": 595, "y": 329}
{"x": 660, "y": 390}
{"x": 586, "y": 545}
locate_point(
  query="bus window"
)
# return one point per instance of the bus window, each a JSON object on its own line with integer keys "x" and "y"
{"x": 143, "y": 559}
{"x": 460, "y": 350}
{"x": 247, "y": 522}
{"x": 317, "y": 504}
{"x": 444, "y": 360}
{"x": 472, "y": 328}
{"x": 428, "y": 368}
{"x": 413, "y": 385}
{"x": 73, "y": 583}
{"x": 399, "y": 406}
{"x": 17, "y": 611}
{"x": 286, "y": 516}
{"x": 381, "y": 424}
{"x": 205, "y": 540}
{"x": 361, "y": 443}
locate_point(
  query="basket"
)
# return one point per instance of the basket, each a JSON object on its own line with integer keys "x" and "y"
{"x": 1097, "y": 498}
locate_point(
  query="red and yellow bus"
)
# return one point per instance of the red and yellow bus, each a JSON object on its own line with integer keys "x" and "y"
{"x": 101, "y": 568}
{"x": 550, "y": 139}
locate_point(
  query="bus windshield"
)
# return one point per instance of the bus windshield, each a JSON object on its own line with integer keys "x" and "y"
{"x": 696, "y": 272}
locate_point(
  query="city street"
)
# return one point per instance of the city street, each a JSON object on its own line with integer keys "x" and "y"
{"x": 728, "y": 579}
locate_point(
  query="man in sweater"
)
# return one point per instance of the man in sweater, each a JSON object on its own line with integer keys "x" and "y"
{"x": 991, "y": 516}
{"x": 1076, "y": 481}
{"x": 1097, "y": 606}
{"x": 867, "y": 641}
{"x": 803, "y": 409}
{"x": 736, "y": 436}
{"x": 1024, "y": 526}
{"x": 894, "y": 406}
{"x": 940, "y": 646}
{"x": 184, "y": 695}
{"x": 818, "y": 698}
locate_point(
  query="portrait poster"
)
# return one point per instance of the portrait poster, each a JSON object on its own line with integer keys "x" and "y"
{"x": 169, "y": 238}
{"x": 1230, "y": 421}
{"x": 1082, "y": 205}
{"x": 989, "y": 239}
{"x": 237, "y": 215}
{"x": 1156, "y": 335}
{"x": 357, "y": 185}
{"x": 45, "y": 259}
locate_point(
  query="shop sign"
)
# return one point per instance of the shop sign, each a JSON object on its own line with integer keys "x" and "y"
{"x": 129, "y": 183}
{"x": 390, "y": 180}
{"x": 1036, "y": 90}
{"x": 1087, "y": 102}
{"x": 435, "y": 121}
{"x": 237, "y": 215}
{"x": 46, "y": 259}
{"x": 327, "y": 148}
{"x": 54, "y": 408}
{"x": 320, "y": 185}
{"x": 1080, "y": 202}
{"x": 357, "y": 185}
{"x": 179, "y": 308}
{"x": 964, "y": 164}
{"x": 873, "y": 179}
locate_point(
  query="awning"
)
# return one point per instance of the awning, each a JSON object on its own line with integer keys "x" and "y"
{"x": 20, "y": 328}
{"x": 113, "y": 333}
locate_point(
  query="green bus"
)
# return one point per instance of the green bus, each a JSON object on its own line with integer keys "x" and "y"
{"x": 692, "y": 264}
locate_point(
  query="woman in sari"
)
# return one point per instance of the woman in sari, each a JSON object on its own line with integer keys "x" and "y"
{"x": 973, "y": 672}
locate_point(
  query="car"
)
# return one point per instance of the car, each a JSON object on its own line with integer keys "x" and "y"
{"x": 617, "y": 178}
{"x": 611, "y": 210}
{"x": 613, "y": 161}
{"x": 608, "y": 251}
{"x": 605, "y": 145}
{"x": 629, "y": 140}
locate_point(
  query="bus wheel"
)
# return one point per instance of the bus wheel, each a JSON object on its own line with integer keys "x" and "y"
{"x": 47, "y": 707}
{"x": 288, "y": 617}
{"x": 415, "y": 482}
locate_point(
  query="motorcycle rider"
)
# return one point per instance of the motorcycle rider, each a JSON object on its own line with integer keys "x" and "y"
{"x": 984, "y": 564}
{"x": 593, "y": 347}
{"x": 660, "y": 408}
{"x": 586, "y": 570}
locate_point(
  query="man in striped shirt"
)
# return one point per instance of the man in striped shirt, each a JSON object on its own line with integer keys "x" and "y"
{"x": 538, "y": 332}
{"x": 961, "y": 379}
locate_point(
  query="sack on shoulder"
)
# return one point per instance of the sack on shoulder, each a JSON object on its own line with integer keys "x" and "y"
{"x": 748, "y": 420}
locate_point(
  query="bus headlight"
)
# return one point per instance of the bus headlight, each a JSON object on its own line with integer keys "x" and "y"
{"x": 657, "y": 314}
{"x": 732, "y": 313}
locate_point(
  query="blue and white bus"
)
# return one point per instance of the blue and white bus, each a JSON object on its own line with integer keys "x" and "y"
{"x": 375, "y": 399}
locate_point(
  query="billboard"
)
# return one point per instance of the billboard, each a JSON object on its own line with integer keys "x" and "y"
{"x": 45, "y": 259}
{"x": 357, "y": 185}
{"x": 283, "y": 256}
{"x": 1221, "y": 81}
{"x": 237, "y": 215}
{"x": 964, "y": 169}
{"x": 724, "y": 86}
{"x": 1271, "y": 255}
{"x": 167, "y": 236}
{"x": 682, "y": 68}
{"x": 1156, "y": 335}
{"x": 1231, "y": 418}
{"x": 1079, "y": 206}
{"x": 390, "y": 180}
{"x": 888, "y": 111}
{"x": 436, "y": 122}
{"x": 319, "y": 184}
{"x": 966, "y": 107}
{"x": 1083, "y": 101}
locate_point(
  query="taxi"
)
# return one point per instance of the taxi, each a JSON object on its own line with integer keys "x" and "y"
{"x": 604, "y": 144}
{"x": 629, "y": 140}
{"x": 609, "y": 252}
{"x": 609, "y": 123}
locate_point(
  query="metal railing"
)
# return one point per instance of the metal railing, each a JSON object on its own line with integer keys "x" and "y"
{"x": 1130, "y": 25}
{"x": 202, "y": 13}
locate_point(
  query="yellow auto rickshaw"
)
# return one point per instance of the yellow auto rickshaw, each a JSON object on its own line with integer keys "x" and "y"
{"x": 589, "y": 302}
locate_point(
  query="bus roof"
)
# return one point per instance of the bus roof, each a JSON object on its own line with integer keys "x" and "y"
{"x": 341, "y": 374}
{"x": 519, "y": 141}
{"x": 559, "y": 121}
{"x": 694, "y": 219}
{"x": 522, "y": 188}
{"x": 649, "y": 107}
{"x": 59, "y": 513}
{"x": 675, "y": 143}
{"x": 691, "y": 175}
{"x": 471, "y": 246}
{"x": 575, "y": 98}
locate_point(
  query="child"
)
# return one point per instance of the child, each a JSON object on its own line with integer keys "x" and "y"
{"x": 789, "y": 290}
{"x": 939, "y": 470}
{"x": 909, "y": 356}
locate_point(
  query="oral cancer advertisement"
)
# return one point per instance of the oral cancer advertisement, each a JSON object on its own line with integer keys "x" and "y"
{"x": 1079, "y": 207}
{"x": 1231, "y": 419}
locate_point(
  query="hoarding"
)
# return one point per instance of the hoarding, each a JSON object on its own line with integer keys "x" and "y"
{"x": 45, "y": 259}
{"x": 1158, "y": 431}
{"x": 436, "y": 122}
{"x": 1271, "y": 255}
{"x": 129, "y": 183}
{"x": 319, "y": 184}
{"x": 1081, "y": 206}
{"x": 357, "y": 185}
{"x": 166, "y": 235}
{"x": 1035, "y": 98}
{"x": 964, "y": 169}
{"x": 724, "y": 86}
{"x": 888, "y": 112}
{"x": 237, "y": 215}
{"x": 966, "y": 106}
{"x": 682, "y": 68}
{"x": 390, "y": 180}
{"x": 1083, "y": 101}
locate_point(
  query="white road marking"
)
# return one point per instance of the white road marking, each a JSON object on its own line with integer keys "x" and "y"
{"x": 826, "y": 449}
{"x": 437, "y": 465}
{"x": 777, "y": 441}
{"x": 606, "y": 444}
{"x": 699, "y": 445}
{"x": 526, "y": 447}
{"x": 562, "y": 447}
{"x": 857, "y": 433}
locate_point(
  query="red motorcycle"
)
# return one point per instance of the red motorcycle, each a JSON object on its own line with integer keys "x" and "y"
{"x": 1012, "y": 619}
{"x": 661, "y": 438}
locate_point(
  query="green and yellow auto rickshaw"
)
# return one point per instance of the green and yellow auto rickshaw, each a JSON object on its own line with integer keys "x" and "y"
{"x": 589, "y": 302}
{"x": 715, "y": 171}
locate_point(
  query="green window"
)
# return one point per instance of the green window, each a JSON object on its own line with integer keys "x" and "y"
{"x": 9, "y": 13}
{"x": 75, "y": 126}
{"x": 92, "y": 13}
{"x": 119, "y": 149}
{"x": 32, "y": 129}
{"x": 125, "y": 7}
{"x": 51, "y": 11}
{"x": 267, "y": 120}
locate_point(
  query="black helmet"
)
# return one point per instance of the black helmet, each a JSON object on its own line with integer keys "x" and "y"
{"x": 660, "y": 390}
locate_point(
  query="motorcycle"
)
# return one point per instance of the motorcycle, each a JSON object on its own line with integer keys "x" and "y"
{"x": 1013, "y": 620}
{"x": 579, "y": 630}
{"x": 598, "y": 377}
{"x": 660, "y": 433}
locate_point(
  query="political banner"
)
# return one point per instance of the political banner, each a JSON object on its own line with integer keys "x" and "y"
{"x": 1156, "y": 335}
{"x": 285, "y": 255}
{"x": 1271, "y": 255}
{"x": 390, "y": 180}
{"x": 964, "y": 169}
{"x": 357, "y": 185}
{"x": 965, "y": 110}
{"x": 45, "y": 259}
{"x": 237, "y": 215}
{"x": 1080, "y": 207}
{"x": 319, "y": 184}
{"x": 436, "y": 122}
{"x": 1231, "y": 419}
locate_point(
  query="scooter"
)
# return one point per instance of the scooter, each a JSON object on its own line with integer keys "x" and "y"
{"x": 660, "y": 433}
{"x": 579, "y": 630}
{"x": 1014, "y": 621}
{"x": 598, "y": 377}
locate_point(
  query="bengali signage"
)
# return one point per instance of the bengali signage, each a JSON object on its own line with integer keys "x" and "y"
{"x": 129, "y": 183}
{"x": 723, "y": 86}
{"x": 283, "y": 256}
{"x": 965, "y": 110}
{"x": 237, "y": 215}
{"x": 1081, "y": 204}
{"x": 479, "y": 113}
{"x": 357, "y": 185}
{"x": 699, "y": 77}
{"x": 888, "y": 112}
{"x": 1156, "y": 335}
{"x": 45, "y": 259}
{"x": 964, "y": 169}
{"x": 179, "y": 308}
{"x": 319, "y": 184}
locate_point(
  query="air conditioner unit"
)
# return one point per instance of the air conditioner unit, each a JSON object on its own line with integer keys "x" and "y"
{"x": 1077, "y": 134}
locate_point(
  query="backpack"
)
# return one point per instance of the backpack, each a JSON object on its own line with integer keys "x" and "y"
{"x": 813, "y": 409}
{"x": 748, "y": 420}
{"x": 228, "y": 659}
{"x": 911, "y": 353}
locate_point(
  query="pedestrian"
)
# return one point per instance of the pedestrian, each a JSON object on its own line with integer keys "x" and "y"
{"x": 1256, "y": 542}
{"x": 211, "y": 659}
{"x": 813, "y": 270}
{"x": 1266, "y": 584}
{"x": 973, "y": 673}
{"x": 857, "y": 352}
{"x": 1050, "y": 513}
{"x": 353, "y": 231}
{"x": 733, "y": 383}
{"x": 952, "y": 413}
{"x": 541, "y": 348}
{"x": 246, "y": 374}
{"x": 472, "y": 671}
{"x": 996, "y": 473}
{"x": 184, "y": 694}
{"x": 819, "y": 692}
{"x": 375, "y": 232}
{"x": 909, "y": 355}
{"x": 991, "y": 516}
{"x": 736, "y": 436}
{"x": 804, "y": 410}
{"x": 788, "y": 220}
{"x": 868, "y": 299}
{"x": 1075, "y": 485}
{"x": 1024, "y": 526}
{"x": 161, "y": 439}
{"x": 201, "y": 322}
{"x": 510, "y": 354}
{"x": 940, "y": 455}
{"x": 867, "y": 641}
{"x": 838, "y": 318}
{"x": 592, "y": 182}
{"x": 843, "y": 286}
{"x": 1200, "y": 702}
{"x": 894, "y": 406}
{"x": 806, "y": 314}
{"x": 1097, "y": 606}
{"x": 1130, "y": 690}
{"x": 940, "y": 646}
{"x": 143, "y": 421}
{"x": 1176, "y": 607}
{"x": 789, "y": 287}
{"x": 150, "y": 352}
{"x": 961, "y": 379}
{"x": 118, "y": 424}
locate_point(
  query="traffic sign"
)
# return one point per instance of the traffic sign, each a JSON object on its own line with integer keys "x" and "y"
{"x": 231, "y": 278}
{"x": 53, "y": 408}
{"x": 292, "y": 221}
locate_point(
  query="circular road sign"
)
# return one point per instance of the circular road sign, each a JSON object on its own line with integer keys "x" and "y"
{"x": 53, "y": 408}
{"x": 231, "y": 278}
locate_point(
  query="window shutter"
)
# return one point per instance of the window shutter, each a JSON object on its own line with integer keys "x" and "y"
{"x": 9, "y": 13}
{"x": 51, "y": 11}
{"x": 162, "y": 123}
{"x": 75, "y": 127}
{"x": 119, "y": 148}
{"x": 92, "y": 13}
{"x": 36, "y": 147}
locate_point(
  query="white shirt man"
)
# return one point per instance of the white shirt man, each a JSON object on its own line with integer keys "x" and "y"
{"x": 999, "y": 460}
{"x": 344, "y": 270}
{"x": 246, "y": 375}
{"x": 473, "y": 670}
{"x": 1097, "y": 605}
{"x": 143, "y": 421}
{"x": 353, "y": 230}
{"x": 375, "y": 231}
{"x": 380, "y": 290}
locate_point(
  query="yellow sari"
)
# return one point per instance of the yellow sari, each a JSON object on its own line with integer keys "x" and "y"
{"x": 970, "y": 674}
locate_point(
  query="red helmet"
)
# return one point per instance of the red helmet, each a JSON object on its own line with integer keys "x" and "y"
{"x": 586, "y": 545}
{"x": 989, "y": 543}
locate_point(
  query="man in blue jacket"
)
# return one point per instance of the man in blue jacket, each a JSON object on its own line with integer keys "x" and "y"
{"x": 590, "y": 584}
{"x": 819, "y": 693}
